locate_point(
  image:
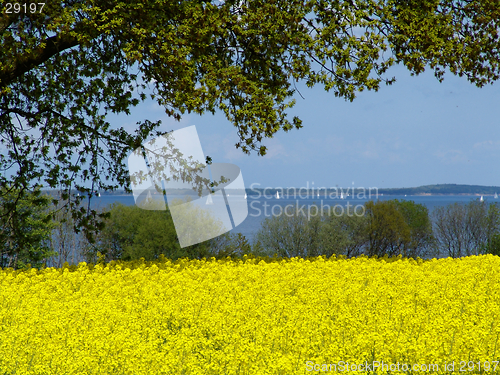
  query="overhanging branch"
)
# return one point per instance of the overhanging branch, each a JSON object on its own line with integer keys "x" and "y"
{"x": 47, "y": 48}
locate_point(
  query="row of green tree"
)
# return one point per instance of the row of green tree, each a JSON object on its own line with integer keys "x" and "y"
{"x": 390, "y": 228}
{"x": 42, "y": 234}
{"x": 48, "y": 238}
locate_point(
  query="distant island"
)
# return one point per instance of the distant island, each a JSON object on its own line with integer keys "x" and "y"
{"x": 443, "y": 189}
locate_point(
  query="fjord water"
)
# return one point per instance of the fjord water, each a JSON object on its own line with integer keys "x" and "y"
{"x": 260, "y": 207}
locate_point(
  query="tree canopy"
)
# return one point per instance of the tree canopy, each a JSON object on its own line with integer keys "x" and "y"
{"x": 25, "y": 232}
{"x": 68, "y": 65}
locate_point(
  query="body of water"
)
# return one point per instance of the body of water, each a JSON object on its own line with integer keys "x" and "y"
{"x": 262, "y": 207}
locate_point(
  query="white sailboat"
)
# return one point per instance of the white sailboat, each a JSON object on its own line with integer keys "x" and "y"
{"x": 496, "y": 196}
{"x": 341, "y": 195}
{"x": 277, "y": 195}
{"x": 209, "y": 199}
{"x": 318, "y": 194}
{"x": 245, "y": 195}
{"x": 481, "y": 199}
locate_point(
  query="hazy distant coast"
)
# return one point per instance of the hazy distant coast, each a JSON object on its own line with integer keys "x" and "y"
{"x": 443, "y": 189}
{"x": 439, "y": 189}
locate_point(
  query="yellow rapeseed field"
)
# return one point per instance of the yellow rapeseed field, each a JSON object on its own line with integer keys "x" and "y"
{"x": 253, "y": 316}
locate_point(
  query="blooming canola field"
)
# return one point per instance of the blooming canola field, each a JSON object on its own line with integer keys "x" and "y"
{"x": 253, "y": 316}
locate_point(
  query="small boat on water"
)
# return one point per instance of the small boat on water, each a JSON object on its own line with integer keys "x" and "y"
{"x": 277, "y": 195}
{"x": 341, "y": 195}
{"x": 209, "y": 199}
{"x": 481, "y": 199}
{"x": 496, "y": 196}
{"x": 245, "y": 195}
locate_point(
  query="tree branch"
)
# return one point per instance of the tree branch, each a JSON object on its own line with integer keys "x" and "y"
{"x": 48, "y": 48}
{"x": 5, "y": 22}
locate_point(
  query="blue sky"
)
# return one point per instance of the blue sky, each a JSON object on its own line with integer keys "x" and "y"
{"x": 416, "y": 132}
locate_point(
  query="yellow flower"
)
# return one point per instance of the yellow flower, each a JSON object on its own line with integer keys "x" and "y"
{"x": 250, "y": 316}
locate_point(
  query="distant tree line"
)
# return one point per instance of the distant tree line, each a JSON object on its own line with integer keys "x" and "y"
{"x": 391, "y": 227}
{"x": 41, "y": 237}
{"x": 131, "y": 232}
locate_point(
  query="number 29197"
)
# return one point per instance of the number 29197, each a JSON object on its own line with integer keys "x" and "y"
{"x": 24, "y": 8}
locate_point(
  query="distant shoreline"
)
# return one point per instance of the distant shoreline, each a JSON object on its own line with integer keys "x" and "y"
{"x": 441, "y": 195}
{"x": 426, "y": 190}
